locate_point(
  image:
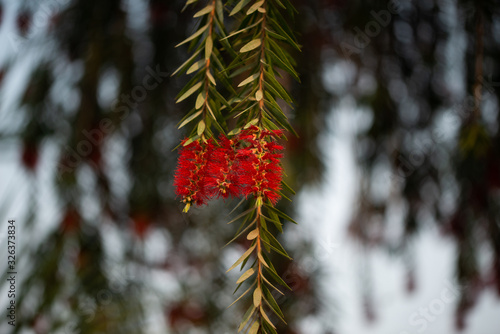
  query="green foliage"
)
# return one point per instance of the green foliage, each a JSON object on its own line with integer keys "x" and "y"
{"x": 259, "y": 70}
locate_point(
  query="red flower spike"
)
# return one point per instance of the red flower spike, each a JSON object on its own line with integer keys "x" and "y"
{"x": 247, "y": 165}
{"x": 222, "y": 172}
{"x": 260, "y": 169}
{"x": 190, "y": 175}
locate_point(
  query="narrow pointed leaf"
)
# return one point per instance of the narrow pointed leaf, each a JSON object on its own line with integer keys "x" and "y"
{"x": 193, "y": 36}
{"x": 247, "y": 317}
{"x": 268, "y": 297}
{"x": 201, "y": 127}
{"x": 259, "y": 255}
{"x": 253, "y": 44}
{"x": 279, "y": 213}
{"x": 189, "y": 119}
{"x": 209, "y": 45}
{"x": 249, "y": 79}
{"x": 254, "y": 7}
{"x": 271, "y": 285}
{"x": 200, "y": 99}
{"x": 196, "y": 66}
{"x": 257, "y": 297}
{"x": 239, "y": 234}
{"x": 247, "y": 274}
{"x": 243, "y": 294}
{"x": 264, "y": 315}
{"x": 186, "y": 62}
{"x": 254, "y": 329}
{"x": 204, "y": 11}
{"x": 239, "y": 7}
{"x": 242, "y": 30}
{"x": 190, "y": 91}
{"x": 243, "y": 257}
{"x": 211, "y": 78}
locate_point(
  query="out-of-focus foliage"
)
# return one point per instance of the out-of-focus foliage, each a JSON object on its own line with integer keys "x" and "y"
{"x": 424, "y": 75}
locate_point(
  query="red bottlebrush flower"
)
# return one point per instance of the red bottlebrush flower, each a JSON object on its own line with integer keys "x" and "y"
{"x": 247, "y": 165}
{"x": 260, "y": 171}
{"x": 190, "y": 176}
{"x": 222, "y": 178}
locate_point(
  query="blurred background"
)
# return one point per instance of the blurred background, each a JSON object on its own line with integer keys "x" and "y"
{"x": 396, "y": 168}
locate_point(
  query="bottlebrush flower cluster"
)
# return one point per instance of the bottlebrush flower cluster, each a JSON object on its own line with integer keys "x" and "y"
{"x": 246, "y": 165}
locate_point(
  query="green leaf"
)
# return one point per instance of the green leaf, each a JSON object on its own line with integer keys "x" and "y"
{"x": 209, "y": 45}
{"x": 190, "y": 140}
{"x": 287, "y": 187}
{"x": 267, "y": 328}
{"x": 242, "y": 30}
{"x": 241, "y": 215}
{"x": 253, "y": 44}
{"x": 257, "y": 297}
{"x": 193, "y": 36}
{"x": 187, "y": 4}
{"x": 211, "y": 78}
{"x": 269, "y": 299}
{"x": 246, "y": 275}
{"x": 264, "y": 315}
{"x": 219, "y": 97}
{"x": 253, "y": 234}
{"x": 243, "y": 199}
{"x": 274, "y": 243}
{"x": 279, "y": 213}
{"x": 243, "y": 294}
{"x": 247, "y": 317}
{"x": 196, "y": 66}
{"x": 277, "y": 278}
{"x": 201, "y": 127}
{"x": 241, "y": 70}
{"x": 219, "y": 8}
{"x": 282, "y": 32}
{"x": 240, "y": 233}
{"x": 272, "y": 286}
{"x": 187, "y": 62}
{"x": 259, "y": 256}
{"x": 277, "y": 86}
{"x": 284, "y": 65}
{"x": 275, "y": 220}
{"x": 200, "y": 99}
{"x": 254, "y": 329}
{"x": 258, "y": 95}
{"x": 252, "y": 122}
{"x": 234, "y": 132}
{"x": 275, "y": 35}
{"x": 189, "y": 119}
{"x": 279, "y": 3}
{"x": 255, "y": 6}
{"x": 249, "y": 80}
{"x": 243, "y": 257}
{"x": 239, "y": 7}
{"x": 189, "y": 92}
{"x": 204, "y": 11}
